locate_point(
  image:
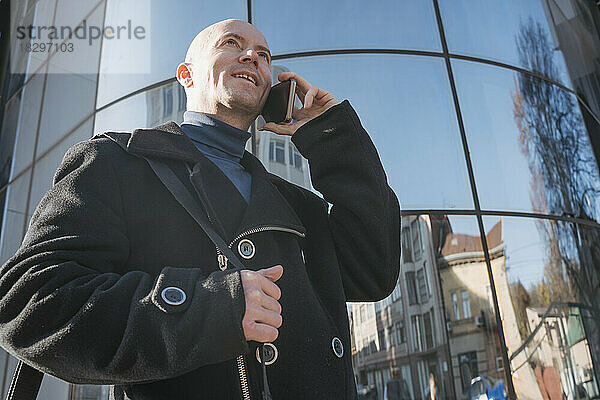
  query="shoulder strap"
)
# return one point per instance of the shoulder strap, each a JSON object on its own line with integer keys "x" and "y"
{"x": 183, "y": 196}
{"x": 172, "y": 182}
{"x": 25, "y": 383}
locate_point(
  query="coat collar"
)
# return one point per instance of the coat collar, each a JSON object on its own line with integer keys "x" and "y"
{"x": 166, "y": 140}
{"x": 267, "y": 206}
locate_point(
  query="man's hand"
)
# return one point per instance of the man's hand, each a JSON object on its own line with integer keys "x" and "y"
{"x": 263, "y": 311}
{"x": 315, "y": 101}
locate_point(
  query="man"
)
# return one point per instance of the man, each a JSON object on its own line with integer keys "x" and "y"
{"x": 116, "y": 284}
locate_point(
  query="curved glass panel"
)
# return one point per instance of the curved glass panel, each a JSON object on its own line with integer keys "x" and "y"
{"x": 61, "y": 113}
{"x": 409, "y": 115}
{"x": 85, "y": 392}
{"x": 506, "y": 31}
{"x": 68, "y": 94}
{"x": 13, "y": 221}
{"x": 308, "y": 25}
{"x": 528, "y": 142}
{"x": 437, "y": 329}
{"x": 548, "y": 295}
{"x": 7, "y": 137}
{"x": 42, "y": 15}
{"x": 144, "y": 110}
{"x": 27, "y": 124}
{"x": 170, "y": 30}
{"x": 577, "y": 27}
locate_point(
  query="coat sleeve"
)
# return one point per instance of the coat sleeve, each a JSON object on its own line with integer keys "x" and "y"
{"x": 365, "y": 215}
{"x": 66, "y": 311}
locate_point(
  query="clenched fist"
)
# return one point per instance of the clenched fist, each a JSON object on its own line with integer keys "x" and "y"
{"x": 263, "y": 311}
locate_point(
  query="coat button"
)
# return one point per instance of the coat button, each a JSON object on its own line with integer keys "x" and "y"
{"x": 338, "y": 347}
{"x": 270, "y": 351}
{"x": 173, "y": 295}
{"x": 246, "y": 248}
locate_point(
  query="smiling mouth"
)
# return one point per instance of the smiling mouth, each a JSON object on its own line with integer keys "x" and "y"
{"x": 245, "y": 77}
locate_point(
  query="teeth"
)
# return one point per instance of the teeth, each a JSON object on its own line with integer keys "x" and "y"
{"x": 246, "y": 76}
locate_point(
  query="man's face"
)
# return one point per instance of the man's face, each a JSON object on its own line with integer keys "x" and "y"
{"x": 231, "y": 50}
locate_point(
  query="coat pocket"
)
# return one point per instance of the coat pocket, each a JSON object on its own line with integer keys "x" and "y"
{"x": 174, "y": 288}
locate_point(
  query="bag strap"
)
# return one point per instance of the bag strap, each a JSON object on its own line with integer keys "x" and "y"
{"x": 25, "y": 383}
{"x": 172, "y": 182}
{"x": 182, "y": 194}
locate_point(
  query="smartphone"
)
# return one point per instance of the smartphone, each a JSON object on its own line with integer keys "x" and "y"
{"x": 280, "y": 102}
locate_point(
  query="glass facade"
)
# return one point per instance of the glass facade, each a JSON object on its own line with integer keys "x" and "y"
{"x": 486, "y": 117}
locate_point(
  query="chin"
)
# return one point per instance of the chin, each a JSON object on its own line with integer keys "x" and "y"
{"x": 244, "y": 101}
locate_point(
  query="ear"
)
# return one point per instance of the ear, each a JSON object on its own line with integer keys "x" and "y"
{"x": 184, "y": 75}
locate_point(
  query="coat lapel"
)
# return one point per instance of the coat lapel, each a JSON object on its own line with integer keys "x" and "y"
{"x": 219, "y": 197}
{"x": 267, "y": 205}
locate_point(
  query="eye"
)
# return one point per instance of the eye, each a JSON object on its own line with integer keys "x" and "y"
{"x": 232, "y": 41}
{"x": 264, "y": 55}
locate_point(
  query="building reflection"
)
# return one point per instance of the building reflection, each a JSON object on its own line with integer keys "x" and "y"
{"x": 400, "y": 343}
{"x": 438, "y": 329}
{"x": 468, "y": 303}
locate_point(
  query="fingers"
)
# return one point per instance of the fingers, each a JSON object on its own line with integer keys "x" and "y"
{"x": 310, "y": 95}
{"x": 262, "y": 316}
{"x": 281, "y": 129}
{"x": 271, "y": 304}
{"x": 270, "y": 289}
{"x": 272, "y": 273}
{"x": 260, "y": 332}
{"x": 302, "y": 85}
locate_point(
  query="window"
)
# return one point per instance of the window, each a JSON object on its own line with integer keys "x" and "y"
{"x": 277, "y": 151}
{"x": 181, "y": 97}
{"x": 499, "y": 364}
{"x": 411, "y": 287}
{"x": 400, "y": 332}
{"x": 366, "y": 348}
{"x": 422, "y": 286}
{"x": 488, "y": 291}
{"x": 372, "y": 344}
{"x": 406, "y": 247}
{"x": 416, "y": 238}
{"x": 363, "y": 313}
{"x": 465, "y": 304}
{"x": 416, "y": 332}
{"x": 455, "y": 312}
{"x": 381, "y": 338}
{"x": 397, "y": 293}
{"x": 294, "y": 156}
{"x": 427, "y": 285}
{"x": 428, "y": 329}
{"x": 467, "y": 363}
{"x": 391, "y": 334}
{"x": 167, "y": 101}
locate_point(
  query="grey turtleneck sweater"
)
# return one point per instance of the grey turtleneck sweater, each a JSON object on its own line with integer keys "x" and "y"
{"x": 221, "y": 143}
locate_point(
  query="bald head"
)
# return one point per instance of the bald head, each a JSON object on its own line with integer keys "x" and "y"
{"x": 227, "y": 72}
{"x": 210, "y": 34}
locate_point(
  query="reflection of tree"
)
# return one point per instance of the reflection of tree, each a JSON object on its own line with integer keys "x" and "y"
{"x": 520, "y": 301}
{"x": 564, "y": 171}
{"x": 564, "y": 175}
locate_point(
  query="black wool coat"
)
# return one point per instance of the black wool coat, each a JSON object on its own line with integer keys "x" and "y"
{"x": 114, "y": 283}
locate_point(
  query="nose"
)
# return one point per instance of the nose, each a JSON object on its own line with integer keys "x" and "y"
{"x": 250, "y": 55}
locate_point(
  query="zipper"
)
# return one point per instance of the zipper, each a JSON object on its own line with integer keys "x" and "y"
{"x": 243, "y": 377}
{"x": 266, "y": 228}
{"x": 223, "y": 265}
